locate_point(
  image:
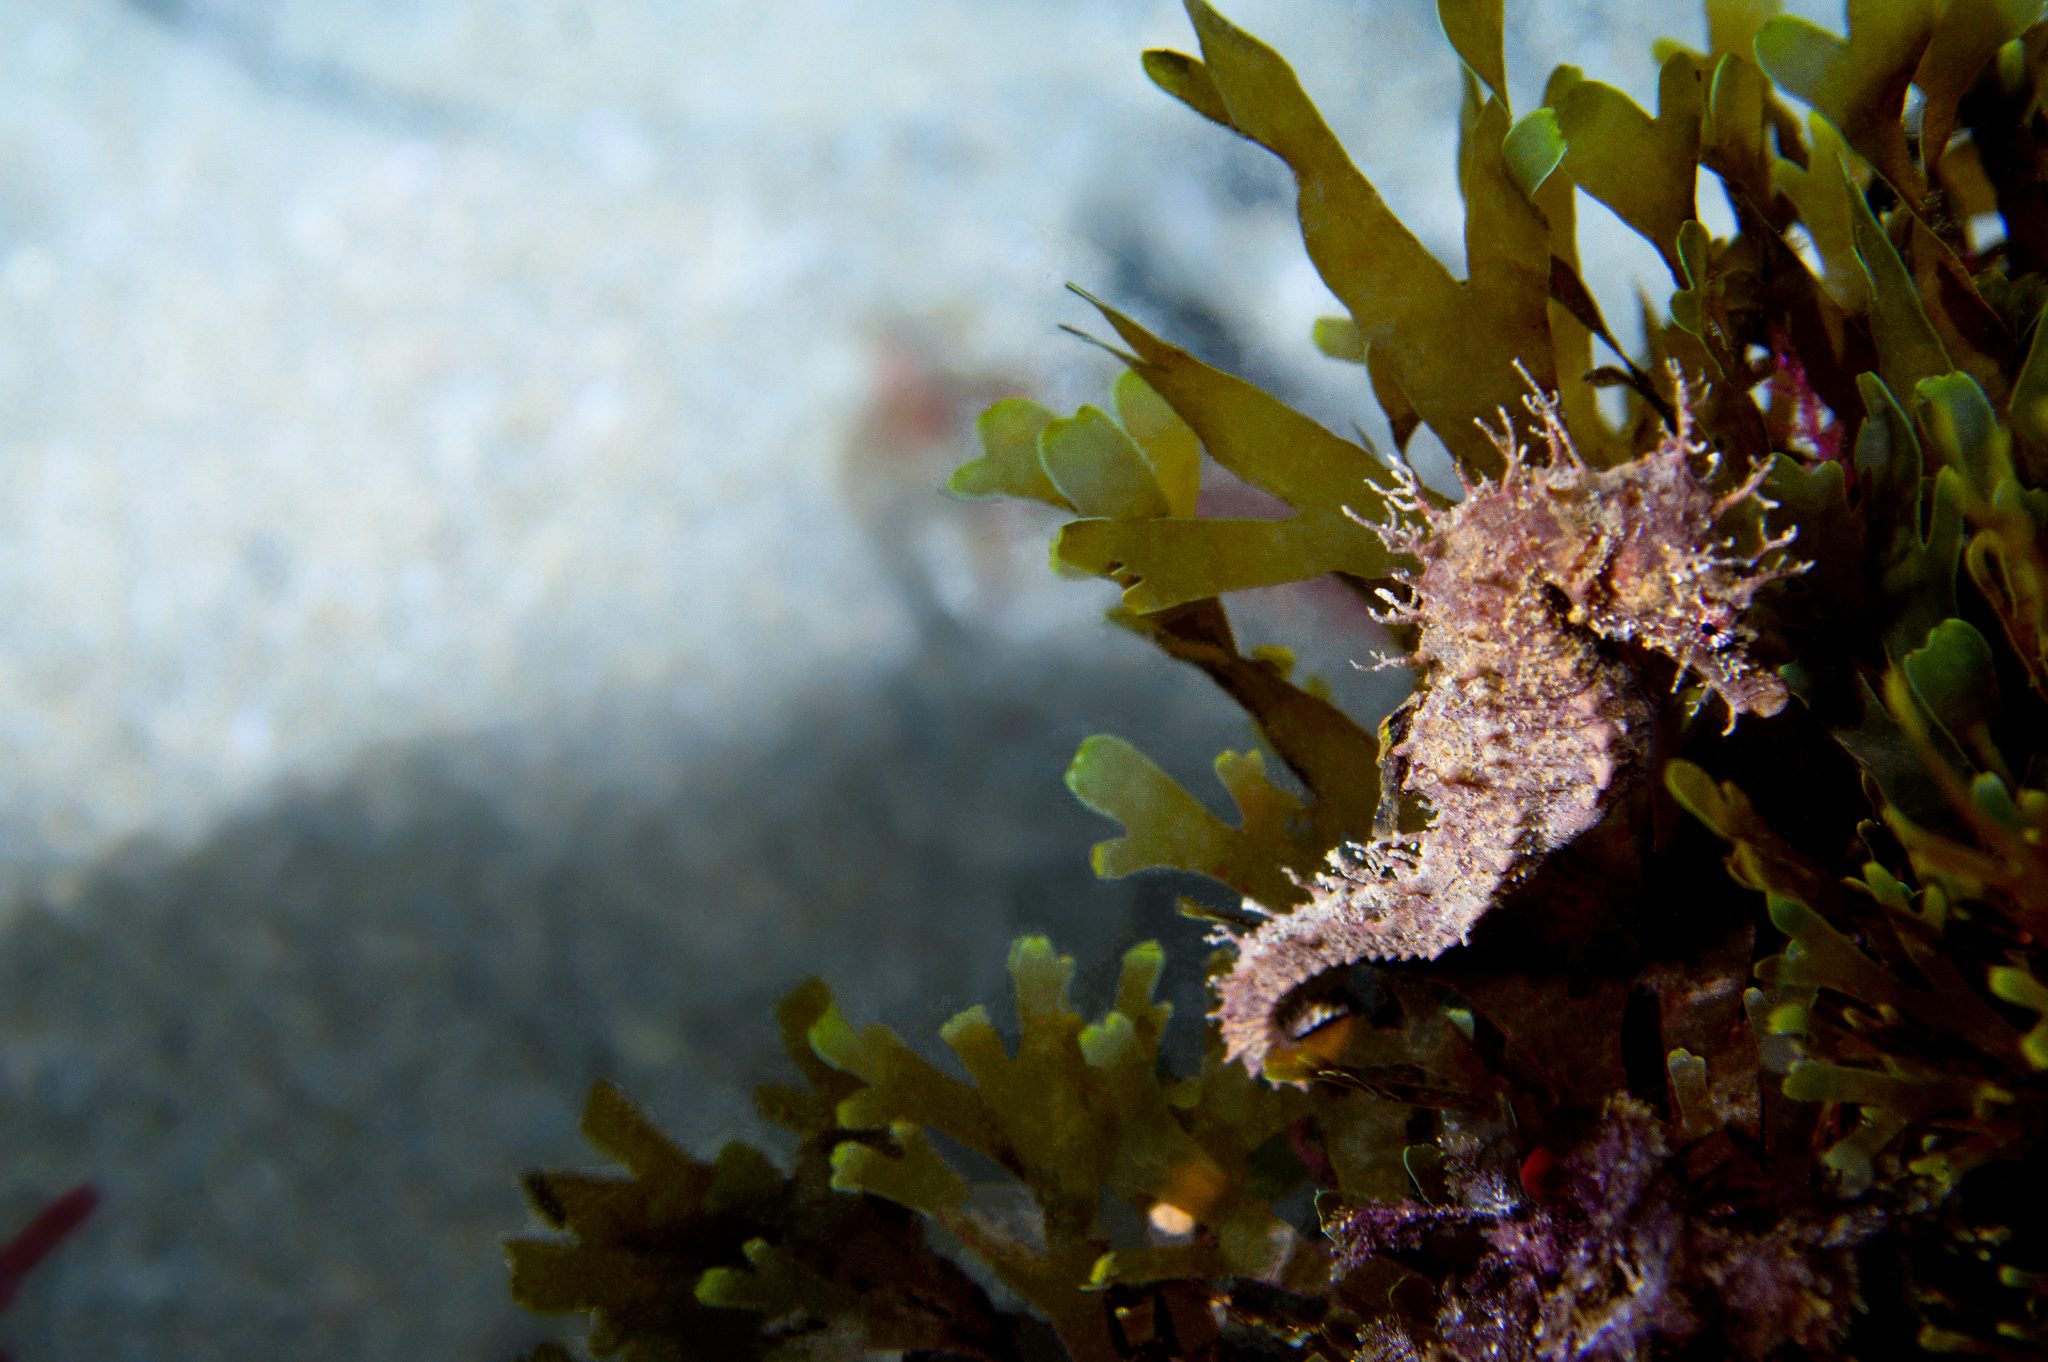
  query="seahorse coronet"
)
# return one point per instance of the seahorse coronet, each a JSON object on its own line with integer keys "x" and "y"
{"x": 1528, "y": 723}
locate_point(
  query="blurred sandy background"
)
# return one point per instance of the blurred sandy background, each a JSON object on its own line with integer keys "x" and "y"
{"x": 476, "y": 610}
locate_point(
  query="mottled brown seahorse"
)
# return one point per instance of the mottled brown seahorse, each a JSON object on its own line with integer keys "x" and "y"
{"x": 1529, "y": 722}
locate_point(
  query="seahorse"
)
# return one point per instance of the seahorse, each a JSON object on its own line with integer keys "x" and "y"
{"x": 1529, "y": 721}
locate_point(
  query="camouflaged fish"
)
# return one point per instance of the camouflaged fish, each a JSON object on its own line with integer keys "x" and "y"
{"x": 1528, "y": 722}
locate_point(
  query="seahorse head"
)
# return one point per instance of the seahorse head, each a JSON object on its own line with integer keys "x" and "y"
{"x": 1676, "y": 581}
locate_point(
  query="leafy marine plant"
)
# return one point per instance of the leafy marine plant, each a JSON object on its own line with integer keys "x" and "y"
{"x": 1559, "y": 1084}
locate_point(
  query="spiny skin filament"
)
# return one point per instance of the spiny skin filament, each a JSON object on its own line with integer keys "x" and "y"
{"x": 1528, "y": 725}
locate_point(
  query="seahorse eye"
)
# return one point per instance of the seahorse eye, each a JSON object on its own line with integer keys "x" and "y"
{"x": 1717, "y": 633}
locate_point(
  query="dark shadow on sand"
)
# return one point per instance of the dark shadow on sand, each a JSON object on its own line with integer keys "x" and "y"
{"x": 307, "y": 1058}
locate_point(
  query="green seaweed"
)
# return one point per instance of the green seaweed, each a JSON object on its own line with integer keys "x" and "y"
{"x": 1165, "y": 560}
{"x": 1448, "y": 346}
{"x": 1808, "y": 1092}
